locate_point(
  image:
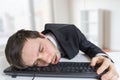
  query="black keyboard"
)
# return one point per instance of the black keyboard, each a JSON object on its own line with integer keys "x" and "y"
{"x": 62, "y": 69}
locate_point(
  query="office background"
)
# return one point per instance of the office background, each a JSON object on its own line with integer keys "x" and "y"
{"x": 33, "y": 14}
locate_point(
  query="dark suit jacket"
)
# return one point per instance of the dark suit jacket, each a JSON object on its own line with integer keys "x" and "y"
{"x": 71, "y": 40}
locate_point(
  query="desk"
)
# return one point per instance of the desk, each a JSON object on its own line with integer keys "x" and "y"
{"x": 3, "y": 64}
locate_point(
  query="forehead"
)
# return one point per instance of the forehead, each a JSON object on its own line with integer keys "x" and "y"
{"x": 30, "y": 50}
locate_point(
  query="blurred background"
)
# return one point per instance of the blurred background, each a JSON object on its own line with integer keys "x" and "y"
{"x": 99, "y": 20}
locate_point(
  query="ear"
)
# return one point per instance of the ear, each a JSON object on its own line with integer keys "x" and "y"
{"x": 42, "y": 35}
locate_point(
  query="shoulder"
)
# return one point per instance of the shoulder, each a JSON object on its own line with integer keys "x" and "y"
{"x": 59, "y": 26}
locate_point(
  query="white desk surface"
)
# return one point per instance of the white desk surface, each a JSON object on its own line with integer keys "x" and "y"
{"x": 79, "y": 58}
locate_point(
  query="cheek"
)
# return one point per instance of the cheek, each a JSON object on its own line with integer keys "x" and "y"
{"x": 49, "y": 54}
{"x": 50, "y": 49}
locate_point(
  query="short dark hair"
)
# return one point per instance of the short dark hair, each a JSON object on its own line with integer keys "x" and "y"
{"x": 15, "y": 44}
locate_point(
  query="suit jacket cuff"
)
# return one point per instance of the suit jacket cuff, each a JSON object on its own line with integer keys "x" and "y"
{"x": 105, "y": 55}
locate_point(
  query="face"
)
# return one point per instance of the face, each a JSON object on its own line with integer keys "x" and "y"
{"x": 39, "y": 52}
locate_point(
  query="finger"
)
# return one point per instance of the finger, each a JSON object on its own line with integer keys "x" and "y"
{"x": 97, "y": 59}
{"x": 115, "y": 75}
{"x": 94, "y": 61}
{"x": 110, "y": 75}
{"x": 115, "y": 78}
{"x": 105, "y": 65}
{"x": 107, "y": 76}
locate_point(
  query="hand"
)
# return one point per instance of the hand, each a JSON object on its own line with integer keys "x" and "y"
{"x": 105, "y": 64}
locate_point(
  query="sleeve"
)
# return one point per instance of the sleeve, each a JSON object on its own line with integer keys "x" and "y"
{"x": 86, "y": 46}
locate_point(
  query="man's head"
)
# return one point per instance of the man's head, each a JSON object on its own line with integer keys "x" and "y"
{"x": 28, "y": 48}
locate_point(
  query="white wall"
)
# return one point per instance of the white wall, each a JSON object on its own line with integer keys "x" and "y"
{"x": 61, "y": 11}
{"x": 110, "y": 5}
{"x": 43, "y": 13}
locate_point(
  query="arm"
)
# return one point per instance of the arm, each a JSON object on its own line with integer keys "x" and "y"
{"x": 86, "y": 46}
{"x": 98, "y": 56}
